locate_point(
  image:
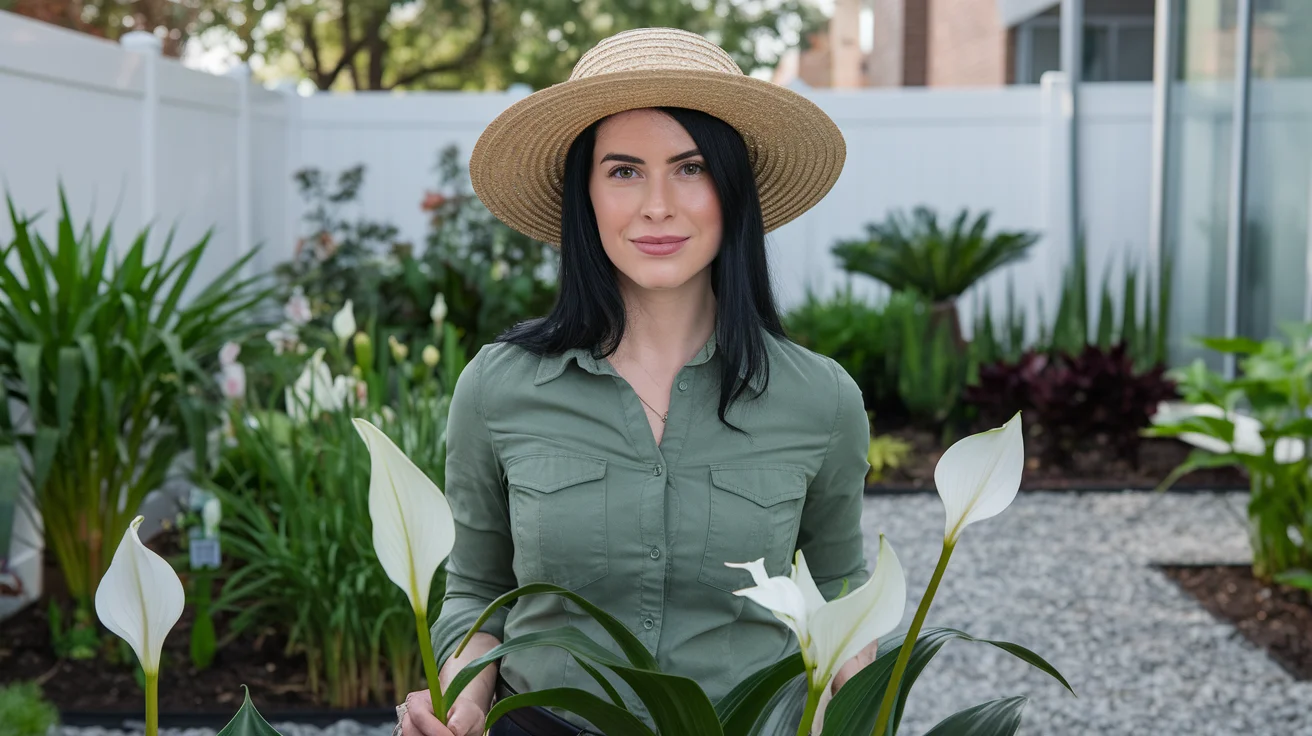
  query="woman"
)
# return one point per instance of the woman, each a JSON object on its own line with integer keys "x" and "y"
{"x": 657, "y": 424}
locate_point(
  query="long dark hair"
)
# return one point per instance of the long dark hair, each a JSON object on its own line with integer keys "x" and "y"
{"x": 589, "y": 310}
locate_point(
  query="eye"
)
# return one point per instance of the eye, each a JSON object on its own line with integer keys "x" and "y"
{"x": 697, "y": 168}
{"x": 618, "y": 169}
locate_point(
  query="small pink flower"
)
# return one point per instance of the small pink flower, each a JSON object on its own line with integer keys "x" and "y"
{"x": 233, "y": 381}
{"x": 432, "y": 200}
{"x": 297, "y": 308}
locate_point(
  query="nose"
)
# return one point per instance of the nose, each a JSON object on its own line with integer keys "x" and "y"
{"x": 657, "y": 206}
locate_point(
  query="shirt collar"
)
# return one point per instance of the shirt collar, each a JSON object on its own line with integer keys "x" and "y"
{"x": 551, "y": 366}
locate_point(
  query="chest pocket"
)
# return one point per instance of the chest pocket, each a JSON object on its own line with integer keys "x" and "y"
{"x": 755, "y": 511}
{"x": 558, "y": 517}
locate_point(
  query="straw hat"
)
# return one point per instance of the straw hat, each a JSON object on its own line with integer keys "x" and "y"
{"x": 518, "y": 165}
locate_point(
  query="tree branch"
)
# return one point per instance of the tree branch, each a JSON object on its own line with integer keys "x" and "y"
{"x": 469, "y": 56}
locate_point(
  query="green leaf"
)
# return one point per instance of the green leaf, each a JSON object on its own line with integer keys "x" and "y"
{"x": 742, "y": 706}
{"x": 248, "y": 721}
{"x": 856, "y": 706}
{"x": 1200, "y": 459}
{"x": 606, "y": 717}
{"x": 1296, "y": 578}
{"x": 1240, "y": 345}
{"x": 601, "y": 681}
{"x": 69, "y": 387}
{"x": 632, "y": 647}
{"x": 995, "y": 718}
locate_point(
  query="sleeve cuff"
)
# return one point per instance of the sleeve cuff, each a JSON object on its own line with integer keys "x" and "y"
{"x": 455, "y": 621}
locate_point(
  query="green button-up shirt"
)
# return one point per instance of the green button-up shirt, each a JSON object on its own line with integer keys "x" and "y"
{"x": 553, "y": 475}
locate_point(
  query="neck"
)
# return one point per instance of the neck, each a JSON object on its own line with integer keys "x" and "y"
{"x": 665, "y": 328}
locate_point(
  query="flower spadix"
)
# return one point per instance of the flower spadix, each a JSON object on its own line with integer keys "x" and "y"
{"x": 140, "y": 598}
{"x": 978, "y": 477}
{"x": 413, "y": 527}
{"x": 831, "y": 632}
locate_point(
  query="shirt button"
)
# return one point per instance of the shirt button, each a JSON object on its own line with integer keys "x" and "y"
{"x": 683, "y": 385}
{"x": 656, "y": 470}
{"x": 655, "y": 553}
{"x": 648, "y": 624}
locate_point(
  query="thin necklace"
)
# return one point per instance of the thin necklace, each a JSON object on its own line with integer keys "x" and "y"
{"x": 663, "y": 417}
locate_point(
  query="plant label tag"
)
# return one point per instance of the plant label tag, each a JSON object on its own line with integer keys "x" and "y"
{"x": 204, "y": 553}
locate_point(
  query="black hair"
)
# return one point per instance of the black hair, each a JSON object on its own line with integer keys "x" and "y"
{"x": 589, "y": 309}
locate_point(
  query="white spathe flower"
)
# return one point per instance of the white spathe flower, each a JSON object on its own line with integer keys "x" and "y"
{"x": 140, "y": 598}
{"x": 831, "y": 632}
{"x": 347, "y": 389}
{"x": 283, "y": 339}
{"x": 211, "y": 514}
{"x": 400, "y": 351}
{"x": 414, "y": 530}
{"x": 978, "y": 476}
{"x": 344, "y": 322}
{"x": 313, "y": 392}
{"x": 438, "y": 310}
{"x": 1248, "y": 431}
{"x": 228, "y": 353}
{"x": 297, "y": 309}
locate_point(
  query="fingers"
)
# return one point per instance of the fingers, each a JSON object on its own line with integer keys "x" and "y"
{"x": 419, "y": 719}
{"x": 466, "y": 719}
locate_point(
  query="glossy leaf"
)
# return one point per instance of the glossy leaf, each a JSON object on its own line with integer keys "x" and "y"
{"x": 605, "y": 716}
{"x": 995, "y": 718}
{"x": 248, "y": 721}
{"x": 742, "y": 706}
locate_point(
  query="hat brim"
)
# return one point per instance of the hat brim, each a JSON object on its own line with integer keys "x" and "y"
{"x": 517, "y": 168}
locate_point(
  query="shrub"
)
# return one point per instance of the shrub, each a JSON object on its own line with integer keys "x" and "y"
{"x": 23, "y": 712}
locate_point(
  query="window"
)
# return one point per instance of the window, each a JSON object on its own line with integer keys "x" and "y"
{"x": 1116, "y": 49}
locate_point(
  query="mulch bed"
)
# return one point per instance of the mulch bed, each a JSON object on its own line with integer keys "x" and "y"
{"x": 1276, "y": 618}
{"x": 1093, "y": 467}
{"x": 100, "y": 692}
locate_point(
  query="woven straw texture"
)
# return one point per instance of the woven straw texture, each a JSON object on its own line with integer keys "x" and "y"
{"x": 517, "y": 168}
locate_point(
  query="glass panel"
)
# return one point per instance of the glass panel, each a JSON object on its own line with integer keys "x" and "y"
{"x": 1045, "y": 51}
{"x": 1197, "y": 171}
{"x": 1097, "y": 54}
{"x": 1274, "y": 262}
{"x": 1134, "y": 53}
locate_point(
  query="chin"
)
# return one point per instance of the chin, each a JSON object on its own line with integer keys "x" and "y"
{"x": 660, "y": 278}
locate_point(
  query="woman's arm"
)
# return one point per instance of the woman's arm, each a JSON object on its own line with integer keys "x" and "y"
{"x": 830, "y": 533}
{"x": 479, "y": 568}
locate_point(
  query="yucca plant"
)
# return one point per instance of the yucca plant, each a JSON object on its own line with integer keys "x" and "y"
{"x": 914, "y": 253}
{"x": 110, "y": 358}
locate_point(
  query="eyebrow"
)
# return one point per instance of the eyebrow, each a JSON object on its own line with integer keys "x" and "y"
{"x": 626, "y": 158}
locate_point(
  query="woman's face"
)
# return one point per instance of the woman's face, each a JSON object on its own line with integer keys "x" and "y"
{"x": 657, "y": 210}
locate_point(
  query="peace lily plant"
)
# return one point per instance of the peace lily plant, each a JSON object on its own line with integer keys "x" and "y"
{"x": 413, "y": 532}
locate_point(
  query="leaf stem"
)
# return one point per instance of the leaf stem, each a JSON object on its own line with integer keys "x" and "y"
{"x": 808, "y": 715}
{"x": 430, "y": 665}
{"x": 152, "y": 704}
{"x": 909, "y": 643}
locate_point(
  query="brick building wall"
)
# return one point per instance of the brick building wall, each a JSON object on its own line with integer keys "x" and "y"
{"x": 968, "y": 46}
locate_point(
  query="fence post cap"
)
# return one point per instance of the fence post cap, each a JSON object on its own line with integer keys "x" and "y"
{"x": 142, "y": 42}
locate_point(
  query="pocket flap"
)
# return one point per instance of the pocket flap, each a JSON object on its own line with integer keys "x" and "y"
{"x": 550, "y": 473}
{"x": 763, "y": 484}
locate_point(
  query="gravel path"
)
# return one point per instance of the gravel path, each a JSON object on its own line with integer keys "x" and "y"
{"x": 1069, "y": 575}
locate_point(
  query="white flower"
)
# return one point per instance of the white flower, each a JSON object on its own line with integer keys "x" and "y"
{"x": 413, "y": 529}
{"x": 232, "y": 381}
{"x": 283, "y": 339}
{"x": 140, "y": 598}
{"x": 1248, "y": 438}
{"x": 831, "y": 632}
{"x": 349, "y": 389}
{"x": 499, "y": 269}
{"x": 228, "y": 353}
{"x": 978, "y": 477}
{"x": 344, "y": 322}
{"x": 211, "y": 514}
{"x": 313, "y": 392}
{"x": 297, "y": 308}
{"x": 438, "y": 310}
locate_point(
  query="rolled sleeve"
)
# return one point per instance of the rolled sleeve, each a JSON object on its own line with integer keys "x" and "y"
{"x": 479, "y": 569}
{"x": 830, "y": 533}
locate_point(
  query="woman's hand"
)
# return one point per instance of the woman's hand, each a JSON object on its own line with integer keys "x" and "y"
{"x": 466, "y": 718}
{"x": 855, "y": 665}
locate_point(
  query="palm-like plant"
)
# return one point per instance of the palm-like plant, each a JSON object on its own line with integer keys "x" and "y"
{"x": 913, "y": 253}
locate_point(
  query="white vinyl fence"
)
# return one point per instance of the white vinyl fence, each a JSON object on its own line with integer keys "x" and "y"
{"x": 139, "y": 139}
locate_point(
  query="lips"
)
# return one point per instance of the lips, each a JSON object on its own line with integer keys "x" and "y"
{"x": 662, "y": 245}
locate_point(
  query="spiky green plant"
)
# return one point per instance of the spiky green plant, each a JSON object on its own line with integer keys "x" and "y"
{"x": 111, "y": 358}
